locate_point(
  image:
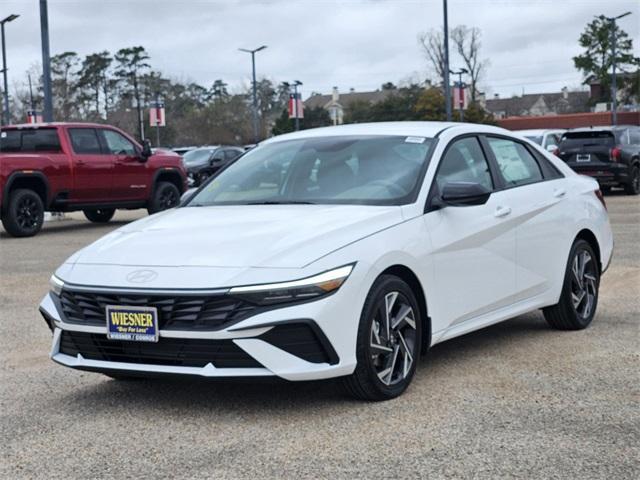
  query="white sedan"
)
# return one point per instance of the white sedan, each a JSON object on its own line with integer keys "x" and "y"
{"x": 338, "y": 252}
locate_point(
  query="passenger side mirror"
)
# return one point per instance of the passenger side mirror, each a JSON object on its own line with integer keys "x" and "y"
{"x": 551, "y": 148}
{"x": 146, "y": 150}
{"x": 463, "y": 194}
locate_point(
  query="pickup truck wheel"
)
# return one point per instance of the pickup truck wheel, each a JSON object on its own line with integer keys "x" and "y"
{"x": 24, "y": 214}
{"x": 99, "y": 215}
{"x": 165, "y": 196}
{"x": 633, "y": 187}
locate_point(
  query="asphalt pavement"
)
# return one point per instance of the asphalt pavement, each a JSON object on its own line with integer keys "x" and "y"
{"x": 516, "y": 400}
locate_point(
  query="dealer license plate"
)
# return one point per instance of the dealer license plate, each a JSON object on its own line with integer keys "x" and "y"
{"x": 138, "y": 324}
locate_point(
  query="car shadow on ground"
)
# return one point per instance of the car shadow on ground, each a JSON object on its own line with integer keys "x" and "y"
{"x": 274, "y": 395}
{"x": 65, "y": 226}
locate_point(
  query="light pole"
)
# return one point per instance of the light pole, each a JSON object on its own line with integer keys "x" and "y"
{"x": 445, "y": 67}
{"x": 614, "y": 87}
{"x": 296, "y": 83}
{"x": 255, "y": 94}
{"x": 460, "y": 90}
{"x": 6, "y": 117}
{"x": 46, "y": 62}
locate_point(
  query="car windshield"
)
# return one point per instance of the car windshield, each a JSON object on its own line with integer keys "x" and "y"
{"x": 197, "y": 156}
{"x": 535, "y": 138}
{"x": 588, "y": 139}
{"x": 370, "y": 170}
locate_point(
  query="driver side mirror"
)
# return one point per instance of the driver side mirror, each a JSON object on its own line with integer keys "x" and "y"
{"x": 463, "y": 194}
{"x": 146, "y": 150}
{"x": 551, "y": 148}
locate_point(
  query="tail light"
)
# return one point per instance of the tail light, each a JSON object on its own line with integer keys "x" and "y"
{"x": 614, "y": 155}
{"x": 600, "y": 196}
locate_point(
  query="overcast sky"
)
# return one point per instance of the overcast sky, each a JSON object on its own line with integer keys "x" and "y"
{"x": 351, "y": 44}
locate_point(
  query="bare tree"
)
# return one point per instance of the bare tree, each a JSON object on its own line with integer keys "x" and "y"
{"x": 432, "y": 45}
{"x": 467, "y": 43}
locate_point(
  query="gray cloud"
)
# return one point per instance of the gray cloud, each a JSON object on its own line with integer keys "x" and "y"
{"x": 354, "y": 43}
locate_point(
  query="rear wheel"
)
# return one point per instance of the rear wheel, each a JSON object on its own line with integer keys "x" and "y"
{"x": 99, "y": 215}
{"x": 633, "y": 187}
{"x": 388, "y": 344}
{"x": 579, "y": 298}
{"x": 24, "y": 214}
{"x": 166, "y": 195}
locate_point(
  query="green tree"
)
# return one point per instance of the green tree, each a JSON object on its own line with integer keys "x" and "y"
{"x": 313, "y": 118}
{"x": 596, "y": 61}
{"x": 93, "y": 78}
{"x": 430, "y": 105}
{"x": 131, "y": 64}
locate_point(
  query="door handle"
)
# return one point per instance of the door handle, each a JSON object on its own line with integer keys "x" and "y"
{"x": 559, "y": 192}
{"x": 502, "y": 211}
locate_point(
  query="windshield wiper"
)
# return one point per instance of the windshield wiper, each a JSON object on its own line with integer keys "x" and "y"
{"x": 280, "y": 202}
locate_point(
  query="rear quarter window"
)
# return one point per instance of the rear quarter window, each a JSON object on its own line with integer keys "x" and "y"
{"x": 588, "y": 139}
{"x": 30, "y": 140}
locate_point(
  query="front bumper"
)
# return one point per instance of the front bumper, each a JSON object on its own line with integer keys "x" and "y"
{"x": 308, "y": 341}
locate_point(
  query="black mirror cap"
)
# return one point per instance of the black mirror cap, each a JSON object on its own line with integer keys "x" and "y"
{"x": 146, "y": 149}
{"x": 462, "y": 194}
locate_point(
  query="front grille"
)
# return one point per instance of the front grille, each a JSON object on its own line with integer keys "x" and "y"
{"x": 179, "y": 312}
{"x": 183, "y": 352}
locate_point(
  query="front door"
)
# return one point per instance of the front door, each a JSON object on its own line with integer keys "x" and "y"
{"x": 131, "y": 179}
{"x": 473, "y": 247}
{"x": 92, "y": 169}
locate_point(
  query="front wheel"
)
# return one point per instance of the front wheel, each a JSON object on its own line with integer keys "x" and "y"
{"x": 579, "y": 297}
{"x": 633, "y": 187}
{"x": 166, "y": 195}
{"x": 388, "y": 344}
{"x": 99, "y": 215}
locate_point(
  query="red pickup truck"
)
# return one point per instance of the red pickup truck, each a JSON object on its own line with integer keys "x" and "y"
{"x": 61, "y": 167}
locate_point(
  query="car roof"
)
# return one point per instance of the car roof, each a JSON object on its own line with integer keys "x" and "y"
{"x": 418, "y": 129}
{"x": 58, "y": 124}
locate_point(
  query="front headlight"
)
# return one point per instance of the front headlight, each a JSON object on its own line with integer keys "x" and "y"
{"x": 296, "y": 290}
{"x": 56, "y": 284}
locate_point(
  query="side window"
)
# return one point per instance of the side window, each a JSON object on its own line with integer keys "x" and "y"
{"x": 118, "y": 144}
{"x": 634, "y": 136}
{"x": 464, "y": 162}
{"x": 517, "y": 165}
{"x": 218, "y": 155}
{"x": 231, "y": 154}
{"x": 85, "y": 140}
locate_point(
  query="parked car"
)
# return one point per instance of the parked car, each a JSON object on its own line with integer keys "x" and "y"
{"x": 344, "y": 251}
{"x": 611, "y": 155}
{"x": 182, "y": 150}
{"x": 548, "y": 139}
{"x": 202, "y": 162}
{"x": 61, "y": 167}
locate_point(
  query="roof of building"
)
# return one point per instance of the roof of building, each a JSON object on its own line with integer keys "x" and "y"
{"x": 345, "y": 99}
{"x": 575, "y": 102}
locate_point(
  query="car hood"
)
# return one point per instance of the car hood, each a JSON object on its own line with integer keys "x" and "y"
{"x": 274, "y": 236}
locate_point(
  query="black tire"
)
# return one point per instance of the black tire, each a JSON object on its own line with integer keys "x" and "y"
{"x": 367, "y": 382}
{"x": 633, "y": 187}
{"x": 165, "y": 195}
{"x": 566, "y": 315}
{"x": 24, "y": 213}
{"x": 99, "y": 215}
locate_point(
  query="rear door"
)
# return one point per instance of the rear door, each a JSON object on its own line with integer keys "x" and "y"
{"x": 474, "y": 247}
{"x": 132, "y": 178}
{"x": 92, "y": 167}
{"x": 542, "y": 220}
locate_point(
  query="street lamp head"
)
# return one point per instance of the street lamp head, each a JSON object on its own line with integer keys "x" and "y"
{"x": 297, "y": 82}
{"x": 464, "y": 70}
{"x": 254, "y": 50}
{"x": 10, "y": 18}
{"x": 260, "y": 48}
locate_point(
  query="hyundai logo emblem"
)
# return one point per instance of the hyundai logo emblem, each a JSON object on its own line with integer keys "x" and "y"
{"x": 142, "y": 276}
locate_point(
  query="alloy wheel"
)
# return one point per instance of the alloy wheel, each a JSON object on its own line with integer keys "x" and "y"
{"x": 168, "y": 199}
{"x": 27, "y": 213}
{"x": 393, "y": 339}
{"x": 584, "y": 286}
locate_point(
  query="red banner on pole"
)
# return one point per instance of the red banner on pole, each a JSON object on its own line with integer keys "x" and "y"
{"x": 296, "y": 107}
{"x": 157, "y": 115}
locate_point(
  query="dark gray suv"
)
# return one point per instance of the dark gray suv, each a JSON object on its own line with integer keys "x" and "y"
{"x": 611, "y": 155}
{"x": 205, "y": 161}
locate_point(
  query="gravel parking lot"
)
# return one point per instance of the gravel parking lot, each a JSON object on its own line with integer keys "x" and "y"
{"x": 514, "y": 400}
